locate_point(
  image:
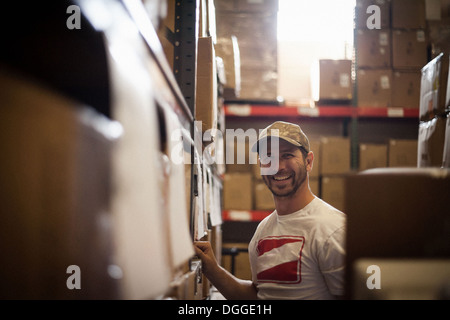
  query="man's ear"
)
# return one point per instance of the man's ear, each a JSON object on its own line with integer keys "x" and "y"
{"x": 309, "y": 161}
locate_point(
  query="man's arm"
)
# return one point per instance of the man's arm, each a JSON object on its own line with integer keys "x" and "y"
{"x": 229, "y": 286}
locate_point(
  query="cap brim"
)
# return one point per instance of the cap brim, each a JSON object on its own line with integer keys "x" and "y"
{"x": 255, "y": 147}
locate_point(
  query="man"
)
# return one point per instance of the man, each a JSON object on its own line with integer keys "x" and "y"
{"x": 297, "y": 252}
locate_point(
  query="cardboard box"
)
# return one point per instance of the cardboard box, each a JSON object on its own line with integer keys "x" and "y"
{"x": 263, "y": 197}
{"x": 314, "y": 146}
{"x": 372, "y": 156}
{"x": 255, "y": 6}
{"x": 225, "y": 5}
{"x": 333, "y": 191}
{"x": 238, "y": 156}
{"x": 256, "y": 33}
{"x": 374, "y": 88}
{"x": 228, "y": 49}
{"x": 433, "y": 87}
{"x": 206, "y": 20}
{"x": 193, "y": 285}
{"x": 438, "y": 34}
{"x": 259, "y": 84}
{"x": 186, "y": 287}
{"x": 238, "y": 191}
{"x": 179, "y": 288}
{"x": 445, "y": 9}
{"x": 431, "y": 142}
{"x": 216, "y": 242}
{"x": 331, "y": 80}
{"x": 402, "y": 153}
{"x": 262, "y": 6}
{"x": 56, "y": 193}
{"x": 256, "y": 55}
{"x": 206, "y": 287}
{"x": 392, "y": 211}
{"x": 373, "y": 48}
{"x": 206, "y": 97}
{"x": 398, "y": 274}
{"x": 362, "y": 17}
{"x": 256, "y": 171}
{"x": 334, "y": 155}
{"x": 446, "y": 152}
{"x": 433, "y": 10}
{"x": 408, "y": 14}
{"x": 409, "y": 49}
{"x": 249, "y": 28}
{"x": 406, "y": 89}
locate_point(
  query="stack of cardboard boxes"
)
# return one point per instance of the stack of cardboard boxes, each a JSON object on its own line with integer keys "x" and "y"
{"x": 332, "y": 159}
{"x": 253, "y": 25}
{"x": 396, "y": 153}
{"x": 333, "y": 166}
{"x": 227, "y": 48}
{"x": 434, "y": 135}
{"x": 433, "y": 111}
{"x": 390, "y": 51}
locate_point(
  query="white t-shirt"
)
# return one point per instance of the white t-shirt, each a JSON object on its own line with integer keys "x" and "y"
{"x": 300, "y": 255}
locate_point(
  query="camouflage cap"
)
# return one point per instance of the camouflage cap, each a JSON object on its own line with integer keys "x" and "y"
{"x": 290, "y": 132}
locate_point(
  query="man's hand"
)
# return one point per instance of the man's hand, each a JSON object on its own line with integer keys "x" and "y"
{"x": 230, "y": 286}
{"x": 206, "y": 254}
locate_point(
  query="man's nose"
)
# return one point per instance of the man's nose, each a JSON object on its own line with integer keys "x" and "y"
{"x": 281, "y": 163}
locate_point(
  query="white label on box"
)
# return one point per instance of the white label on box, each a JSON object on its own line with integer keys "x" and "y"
{"x": 344, "y": 80}
{"x": 240, "y": 215}
{"x": 310, "y": 112}
{"x": 395, "y": 112}
{"x": 240, "y": 110}
{"x": 384, "y": 82}
{"x": 420, "y": 36}
{"x": 383, "y": 39}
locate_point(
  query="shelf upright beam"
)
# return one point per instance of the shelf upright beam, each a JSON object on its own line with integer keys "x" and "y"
{"x": 185, "y": 70}
{"x": 354, "y": 138}
{"x": 185, "y": 50}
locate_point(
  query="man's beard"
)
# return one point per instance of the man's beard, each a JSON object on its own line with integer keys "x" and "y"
{"x": 298, "y": 179}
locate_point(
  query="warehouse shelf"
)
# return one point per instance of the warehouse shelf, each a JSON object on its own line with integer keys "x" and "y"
{"x": 250, "y": 110}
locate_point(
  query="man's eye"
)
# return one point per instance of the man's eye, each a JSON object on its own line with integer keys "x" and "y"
{"x": 287, "y": 155}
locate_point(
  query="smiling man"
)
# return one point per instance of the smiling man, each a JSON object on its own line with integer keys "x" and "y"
{"x": 298, "y": 251}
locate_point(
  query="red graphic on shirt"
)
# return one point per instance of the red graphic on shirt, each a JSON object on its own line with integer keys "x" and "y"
{"x": 279, "y": 259}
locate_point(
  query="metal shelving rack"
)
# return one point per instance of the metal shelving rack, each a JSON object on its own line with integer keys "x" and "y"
{"x": 185, "y": 40}
{"x": 354, "y": 121}
{"x": 185, "y": 53}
